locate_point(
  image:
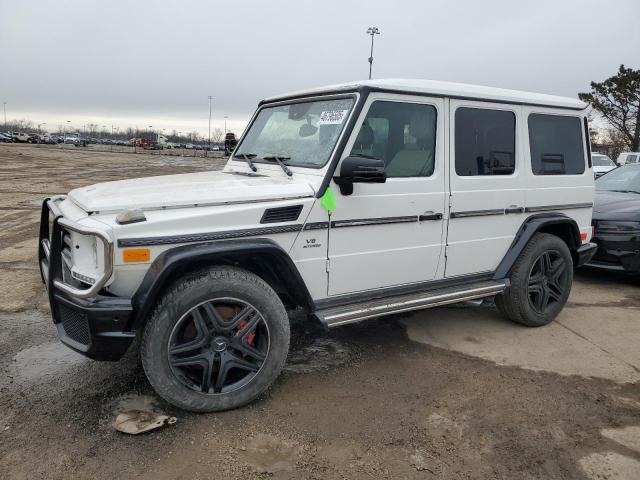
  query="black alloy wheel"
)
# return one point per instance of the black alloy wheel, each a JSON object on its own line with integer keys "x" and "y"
{"x": 548, "y": 281}
{"x": 218, "y": 346}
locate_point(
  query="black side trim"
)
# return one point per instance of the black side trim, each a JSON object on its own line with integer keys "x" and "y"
{"x": 527, "y": 230}
{"x": 290, "y": 213}
{"x": 507, "y": 211}
{"x": 358, "y": 222}
{"x": 206, "y": 237}
{"x": 477, "y": 213}
{"x": 430, "y": 217}
{"x": 316, "y": 225}
{"x": 379, "y": 293}
{"x": 259, "y": 253}
{"x": 551, "y": 208}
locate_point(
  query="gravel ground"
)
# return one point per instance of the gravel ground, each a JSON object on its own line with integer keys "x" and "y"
{"x": 457, "y": 401}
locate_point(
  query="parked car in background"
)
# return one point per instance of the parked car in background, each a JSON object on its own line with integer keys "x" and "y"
{"x": 616, "y": 220}
{"x": 20, "y": 137}
{"x": 5, "y": 138}
{"x": 628, "y": 157}
{"x": 601, "y": 164}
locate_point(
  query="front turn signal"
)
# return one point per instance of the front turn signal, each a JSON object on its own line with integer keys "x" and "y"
{"x": 136, "y": 255}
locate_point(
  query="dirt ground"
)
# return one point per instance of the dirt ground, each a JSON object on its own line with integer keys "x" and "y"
{"x": 455, "y": 393}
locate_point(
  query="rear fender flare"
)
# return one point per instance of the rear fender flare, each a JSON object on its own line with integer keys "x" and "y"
{"x": 533, "y": 225}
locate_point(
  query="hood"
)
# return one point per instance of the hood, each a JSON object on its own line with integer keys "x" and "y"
{"x": 616, "y": 206}
{"x": 200, "y": 188}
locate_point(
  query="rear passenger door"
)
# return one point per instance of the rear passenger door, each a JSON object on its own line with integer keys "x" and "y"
{"x": 486, "y": 205}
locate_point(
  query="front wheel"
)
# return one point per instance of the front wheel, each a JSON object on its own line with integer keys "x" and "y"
{"x": 216, "y": 341}
{"x": 540, "y": 282}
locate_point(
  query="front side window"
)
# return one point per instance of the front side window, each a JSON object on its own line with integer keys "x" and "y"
{"x": 485, "y": 142}
{"x": 301, "y": 134}
{"x": 402, "y": 135}
{"x": 556, "y": 145}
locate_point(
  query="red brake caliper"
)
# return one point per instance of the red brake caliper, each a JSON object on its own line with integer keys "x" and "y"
{"x": 250, "y": 336}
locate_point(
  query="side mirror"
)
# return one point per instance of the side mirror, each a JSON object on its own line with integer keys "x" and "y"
{"x": 356, "y": 169}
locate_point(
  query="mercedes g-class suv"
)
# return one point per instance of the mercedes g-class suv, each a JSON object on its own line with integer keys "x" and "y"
{"x": 344, "y": 203}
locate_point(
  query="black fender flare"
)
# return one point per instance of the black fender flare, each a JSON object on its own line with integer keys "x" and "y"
{"x": 175, "y": 262}
{"x": 531, "y": 226}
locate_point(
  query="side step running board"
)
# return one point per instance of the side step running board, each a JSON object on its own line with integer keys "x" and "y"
{"x": 342, "y": 315}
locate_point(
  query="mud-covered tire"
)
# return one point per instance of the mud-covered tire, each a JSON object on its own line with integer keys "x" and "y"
{"x": 544, "y": 269}
{"x": 185, "y": 300}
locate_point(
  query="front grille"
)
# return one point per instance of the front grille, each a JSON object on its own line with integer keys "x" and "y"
{"x": 281, "y": 214}
{"x": 75, "y": 324}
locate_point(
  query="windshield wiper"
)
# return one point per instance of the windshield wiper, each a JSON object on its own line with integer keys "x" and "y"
{"x": 280, "y": 161}
{"x": 247, "y": 157}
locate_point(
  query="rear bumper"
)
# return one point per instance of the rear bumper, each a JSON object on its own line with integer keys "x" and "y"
{"x": 585, "y": 253}
{"x": 617, "y": 252}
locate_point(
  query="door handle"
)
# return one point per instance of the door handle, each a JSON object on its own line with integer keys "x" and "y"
{"x": 427, "y": 216}
{"x": 514, "y": 209}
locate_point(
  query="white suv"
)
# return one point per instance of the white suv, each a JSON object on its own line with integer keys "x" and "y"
{"x": 347, "y": 203}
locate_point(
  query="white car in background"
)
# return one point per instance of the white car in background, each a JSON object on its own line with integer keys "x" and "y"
{"x": 628, "y": 157}
{"x": 601, "y": 164}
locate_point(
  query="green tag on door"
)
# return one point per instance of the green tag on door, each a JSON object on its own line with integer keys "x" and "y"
{"x": 328, "y": 200}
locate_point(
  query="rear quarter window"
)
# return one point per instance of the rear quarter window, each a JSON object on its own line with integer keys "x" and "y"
{"x": 556, "y": 145}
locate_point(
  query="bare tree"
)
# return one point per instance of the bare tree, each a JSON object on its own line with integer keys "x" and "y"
{"x": 216, "y": 135}
{"x": 617, "y": 99}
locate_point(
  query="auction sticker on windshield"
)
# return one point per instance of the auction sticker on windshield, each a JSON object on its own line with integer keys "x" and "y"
{"x": 332, "y": 117}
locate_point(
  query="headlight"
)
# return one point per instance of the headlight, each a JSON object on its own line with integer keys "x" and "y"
{"x": 619, "y": 227}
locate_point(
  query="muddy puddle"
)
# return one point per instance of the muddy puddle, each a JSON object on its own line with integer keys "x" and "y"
{"x": 48, "y": 359}
{"x": 311, "y": 355}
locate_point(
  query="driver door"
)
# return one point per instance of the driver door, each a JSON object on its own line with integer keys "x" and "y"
{"x": 391, "y": 234}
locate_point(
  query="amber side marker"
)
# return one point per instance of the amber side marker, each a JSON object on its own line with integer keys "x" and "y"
{"x": 136, "y": 255}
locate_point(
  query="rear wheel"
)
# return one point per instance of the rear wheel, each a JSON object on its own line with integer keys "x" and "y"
{"x": 540, "y": 282}
{"x": 216, "y": 341}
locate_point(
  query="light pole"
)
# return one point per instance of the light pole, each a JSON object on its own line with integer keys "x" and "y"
{"x": 225, "y": 124}
{"x": 373, "y": 31}
{"x": 209, "y": 141}
{"x": 64, "y": 134}
{"x": 4, "y": 107}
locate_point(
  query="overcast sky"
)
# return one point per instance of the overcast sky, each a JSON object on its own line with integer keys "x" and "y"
{"x": 155, "y": 62}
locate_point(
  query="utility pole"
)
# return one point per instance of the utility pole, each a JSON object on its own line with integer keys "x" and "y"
{"x": 209, "y": 143}
{"x": 372, "y": 31}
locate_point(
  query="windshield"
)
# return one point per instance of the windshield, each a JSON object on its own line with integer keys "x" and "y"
{"x": 602, "y": 161}
{"x": 302, "y": 134}
{"x": 623, "y": 179}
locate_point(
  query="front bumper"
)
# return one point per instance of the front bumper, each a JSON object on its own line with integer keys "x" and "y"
{"x": 88, "y": 322}
{"x": 617, "y": 253}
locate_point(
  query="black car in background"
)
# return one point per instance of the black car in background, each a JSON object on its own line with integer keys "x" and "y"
{"x": 616, "y": 220}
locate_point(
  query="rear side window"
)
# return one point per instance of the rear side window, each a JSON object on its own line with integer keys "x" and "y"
{"x": 556, "y": 145}
{"x": 485, "y": 142}
{"x": 632, "y": 159}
